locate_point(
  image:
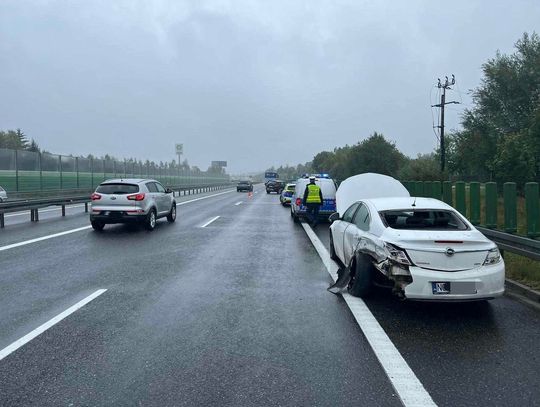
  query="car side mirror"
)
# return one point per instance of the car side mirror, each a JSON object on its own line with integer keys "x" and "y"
{"x": 168, "y": 191}
{"x": 335, "y": 216}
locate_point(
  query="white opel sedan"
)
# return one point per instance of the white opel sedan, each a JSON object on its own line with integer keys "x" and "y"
{"x": 422, "y": 247}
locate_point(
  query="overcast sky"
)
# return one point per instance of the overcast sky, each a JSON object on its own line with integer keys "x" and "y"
{"x": 256, "y": 83}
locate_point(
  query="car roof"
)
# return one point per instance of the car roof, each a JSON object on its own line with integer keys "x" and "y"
{"x": 128, "y": 181}
{"x": 386, "y": 204}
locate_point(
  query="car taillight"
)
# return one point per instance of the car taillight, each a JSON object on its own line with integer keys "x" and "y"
{"x": 95, "y": 197}
{"x": 136, "y": 197}
{"x": 298, "y": 201}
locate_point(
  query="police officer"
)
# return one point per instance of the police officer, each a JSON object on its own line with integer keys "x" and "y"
{"x": 313, "y": 200}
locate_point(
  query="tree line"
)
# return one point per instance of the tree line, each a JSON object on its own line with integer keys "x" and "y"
{"x": 499, "y": 139}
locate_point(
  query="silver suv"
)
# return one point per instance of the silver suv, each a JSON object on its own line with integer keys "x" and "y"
{"x": 131, "y": 200}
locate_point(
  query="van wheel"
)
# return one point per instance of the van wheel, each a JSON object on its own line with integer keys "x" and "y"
{"x": 171, "y": 217}
{"x": 150, "y": 222}
{"x": 360, "y": 284}
{"x": 98, "y": 226}
{"x": 333, "y": 255}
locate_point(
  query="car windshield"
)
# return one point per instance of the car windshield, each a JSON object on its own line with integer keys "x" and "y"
{"x": 118, "y": 189}
{"x": 244, "y": 183}
{"x": 423, "y": 219}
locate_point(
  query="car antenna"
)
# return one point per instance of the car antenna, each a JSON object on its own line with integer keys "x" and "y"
{"x": 414, "y": 202}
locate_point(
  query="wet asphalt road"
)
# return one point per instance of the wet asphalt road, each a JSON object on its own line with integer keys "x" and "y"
{"x": 233, "y": 314}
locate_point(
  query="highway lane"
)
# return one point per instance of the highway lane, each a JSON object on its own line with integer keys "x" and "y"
{"x": 52, "y": 224}
{"x": 465, "y": 354}
{"x": 235, "y": 313}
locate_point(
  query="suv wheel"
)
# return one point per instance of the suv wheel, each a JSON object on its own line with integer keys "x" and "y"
{"x": 150, "y": 223}
{"x": 171, "y": 217}
{"x": 97, "y": 225}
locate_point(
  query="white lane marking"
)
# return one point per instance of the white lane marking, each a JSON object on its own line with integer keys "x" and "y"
{"x": 407, "y": 386}
{"x": 42, "y": 328}
{"x": 41, "y": 211}
{"x": 204, "y": 197}
{"x": 238, "y": 203}
{"x": 39, "y": 239}
{"x": 210, "y": 221}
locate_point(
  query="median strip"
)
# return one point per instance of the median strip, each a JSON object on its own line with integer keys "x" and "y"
{"x": 407, "y": 386}
{"x": 42, "y": 328}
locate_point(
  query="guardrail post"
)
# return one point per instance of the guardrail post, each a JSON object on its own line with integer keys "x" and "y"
{"x": 491, "y": 205}
{"x": 532, "y": 209}
{"x": 2, "y": 220}
{"x": 86, "y": 207}
{"x": 474, "y": 202}
{"x": 460, "y": 198}
{"x": 447, "y": 192}
{"x": 510, "y": 207}
{"x": 36, "y": 216}
{"x": 63, "y": 210}
{"x": 31, "y": 215}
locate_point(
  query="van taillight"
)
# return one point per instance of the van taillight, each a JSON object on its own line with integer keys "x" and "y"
{"x": 95, "y": 197}
{"x": 298, "y": 201}
{"x": 136, "y": 197}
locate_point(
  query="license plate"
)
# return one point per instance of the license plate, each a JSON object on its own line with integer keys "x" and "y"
{"x": 439, "y": 287}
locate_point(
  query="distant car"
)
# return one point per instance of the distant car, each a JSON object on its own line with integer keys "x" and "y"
{"x": 275, "y": 186}
{"x": 3, "y": 195}
{"x": 246, "y": 186}
{"x": 286, "y": 194}
{"x": 131, "y": 201}
{"x": 328, "y": 189}
{"x": 421, "y": 247}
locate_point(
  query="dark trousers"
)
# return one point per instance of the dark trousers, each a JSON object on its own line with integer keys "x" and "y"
{"x": 312, "y": 212}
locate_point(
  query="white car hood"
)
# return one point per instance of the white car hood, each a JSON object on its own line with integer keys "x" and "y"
{"x": 367, "y": 186}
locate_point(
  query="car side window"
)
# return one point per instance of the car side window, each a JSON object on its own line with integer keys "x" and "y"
{"x": 349, "y": 213}
{"x": 151, "y": 186}
{"x": 362, "y": 219}
{"x": 160, "y": 187}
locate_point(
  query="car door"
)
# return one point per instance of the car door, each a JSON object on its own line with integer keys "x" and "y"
{"x": 339, "y": 227}
{"x": 163, "y": 199}
{"x": 355, "y": 232}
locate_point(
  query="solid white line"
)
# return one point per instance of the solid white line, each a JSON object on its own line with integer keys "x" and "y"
{"x": 204, "y": 197}
{"x": 407, "y": 386}
{"x": 42, "y": 211}
{"x": 210, "y": 221}
{"x": 39, "y": 239}
{"x": 238, "y": 203}
{"x": 42, "y": 328}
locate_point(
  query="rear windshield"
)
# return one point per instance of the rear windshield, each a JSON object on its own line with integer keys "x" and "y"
{"x": 290, "y": 188}
{"x": 244, "y": 182}
{"x": 424, "y": 219}
{"x": 117, "y": 189}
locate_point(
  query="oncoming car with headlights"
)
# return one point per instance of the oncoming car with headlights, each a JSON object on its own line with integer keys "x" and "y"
{"x": 131, "y": 201}
{"x": 422, "y": 247}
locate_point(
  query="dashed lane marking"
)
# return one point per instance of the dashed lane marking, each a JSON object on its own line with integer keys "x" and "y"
{"x": 42, "y": 328}
{"x": 409, "y": 389}
{"x": 210, "y": 221}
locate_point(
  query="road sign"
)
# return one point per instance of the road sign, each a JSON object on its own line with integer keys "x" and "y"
{"x": 219, "y": 163}
{"x": 179, "y": 149}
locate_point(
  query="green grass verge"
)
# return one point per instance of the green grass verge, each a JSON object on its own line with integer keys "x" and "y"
{"x": 522, "y": 269}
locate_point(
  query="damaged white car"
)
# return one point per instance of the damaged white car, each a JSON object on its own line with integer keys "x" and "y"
{"x": 421, "y": 247}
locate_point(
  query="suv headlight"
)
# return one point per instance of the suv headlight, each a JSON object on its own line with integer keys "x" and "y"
{"x": 493, "y": 257}
{"x": 397, "y": 255}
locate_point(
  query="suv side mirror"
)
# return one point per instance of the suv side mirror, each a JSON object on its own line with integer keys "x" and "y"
{"x": 168, "y": 191}
{"x": 335, "y": 216}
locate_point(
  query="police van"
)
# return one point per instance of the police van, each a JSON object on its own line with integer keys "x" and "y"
{"x": 328, "y": 189}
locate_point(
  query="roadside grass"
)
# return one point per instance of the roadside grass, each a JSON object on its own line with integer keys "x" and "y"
{"x": 522, "y": 269}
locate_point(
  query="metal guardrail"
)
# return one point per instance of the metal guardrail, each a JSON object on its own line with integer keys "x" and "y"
{"x": 33, "y": 205}
{"x": 514, "y": 244}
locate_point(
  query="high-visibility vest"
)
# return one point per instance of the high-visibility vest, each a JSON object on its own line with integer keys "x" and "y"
{"x": 313, "y": 194}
